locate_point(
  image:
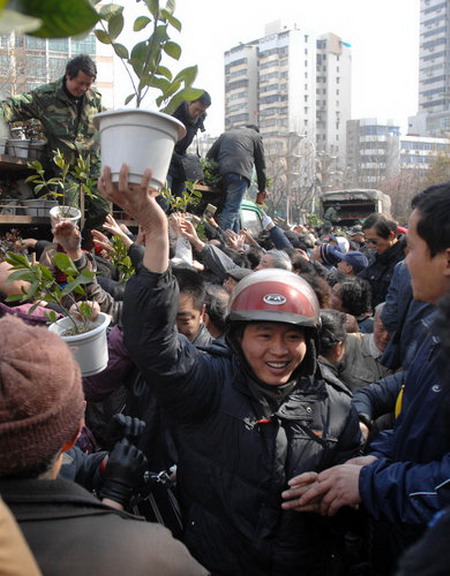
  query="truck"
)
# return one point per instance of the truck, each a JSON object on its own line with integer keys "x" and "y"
{"x": 353, "y": 206}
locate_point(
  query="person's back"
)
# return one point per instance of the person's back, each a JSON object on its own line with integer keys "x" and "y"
{"x": 236, "y": 151}
{"x": 70, "y": 532}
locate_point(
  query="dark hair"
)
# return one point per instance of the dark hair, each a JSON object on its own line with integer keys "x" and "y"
{"x": 356, "y": 295}
{"x": 320, "y": 286}
{"x": 300, "y": 264}
{"x": 190, "y": 282}
{"x": 216, "y": 304}
{"x": 383, "y": 225}
{"x": 81, "y": 62}
{"x": 253, "y": 127}
{"x": 332, "y": 330}
{"x": 205, "y": 99}
{"x": 434, "y": 224}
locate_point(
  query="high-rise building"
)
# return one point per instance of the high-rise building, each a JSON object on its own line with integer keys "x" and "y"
{"x": 373, "y": 151}
{"x": 433, "y": 117}
{"x": 333, "y": 93}
{"x": 289, "y": 81}
{"x": 296, "y": 88}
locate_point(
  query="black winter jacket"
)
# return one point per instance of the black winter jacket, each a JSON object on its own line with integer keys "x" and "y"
{"x": 234, "y": 462}
{"x": 380, "y": 271}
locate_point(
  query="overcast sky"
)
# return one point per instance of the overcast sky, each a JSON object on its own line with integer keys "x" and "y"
{"x": 384, "y": 37}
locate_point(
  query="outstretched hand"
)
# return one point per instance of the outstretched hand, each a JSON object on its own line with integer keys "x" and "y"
{"x": 136, "y": 199}
{"x": 326, "y": 492}
{"x": 68, "y": 235}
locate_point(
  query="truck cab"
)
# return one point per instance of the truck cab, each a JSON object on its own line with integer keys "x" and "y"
{"x": 353, "y": 206}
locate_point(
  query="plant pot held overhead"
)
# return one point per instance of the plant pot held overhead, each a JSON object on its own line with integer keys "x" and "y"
{"x": 140, "y": 138}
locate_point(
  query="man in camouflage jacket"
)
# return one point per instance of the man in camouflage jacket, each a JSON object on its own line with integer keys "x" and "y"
{"x": 66, "y": 109}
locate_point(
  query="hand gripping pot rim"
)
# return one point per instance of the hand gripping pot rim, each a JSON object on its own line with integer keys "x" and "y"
{"x": 274, "y": 295}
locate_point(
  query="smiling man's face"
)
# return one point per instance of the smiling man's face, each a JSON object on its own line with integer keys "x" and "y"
{"x": 273, "y": 351}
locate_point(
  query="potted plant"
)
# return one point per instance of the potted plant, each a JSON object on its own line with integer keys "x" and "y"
{"x": 82, "y": 328}
{"x": 144, "y": 138}
{"x": 72, "y": 183}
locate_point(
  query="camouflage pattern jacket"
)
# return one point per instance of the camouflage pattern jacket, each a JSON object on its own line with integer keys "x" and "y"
{"x": 66, "y": 128}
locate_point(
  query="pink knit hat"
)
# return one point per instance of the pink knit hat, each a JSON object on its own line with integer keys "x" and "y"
{"x": 41, "y": 398}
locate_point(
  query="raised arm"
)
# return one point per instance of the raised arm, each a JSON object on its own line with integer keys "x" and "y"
{"x": 139, "y": 202}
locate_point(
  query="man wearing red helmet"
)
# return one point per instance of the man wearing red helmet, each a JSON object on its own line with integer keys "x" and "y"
{"x": 248, "y": 414}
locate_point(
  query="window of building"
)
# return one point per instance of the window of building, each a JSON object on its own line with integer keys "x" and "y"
{"x": 84, "y": 46}
{"x": 35, "y": 43}
{"x": 56, "y": 67}
{"x": 35, "y": 66}
{"x": 58, "y": 45}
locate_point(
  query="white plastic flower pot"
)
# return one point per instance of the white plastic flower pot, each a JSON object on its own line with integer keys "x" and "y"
{"x": 140, "y": 138}
{"x": 90, "y": 348}
{"x": 71, "y": 213}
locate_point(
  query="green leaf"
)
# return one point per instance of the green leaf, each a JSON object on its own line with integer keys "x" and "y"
{"x": 109, "y": 11}
{"x": 59, "y": 19}
{"x": 115, "y": 25}
{"x": 163, "y": 71}
{"x": 52, "y": 316}
{"x": 153, "y": 7}
{"x": 140, "y": 23}
{"x": 64, "y": 263}
{"x": 102, "y": 37}
{"x": 172, "y": 49}
{"x": 121, "y": 51}
{"x": 188, "y": 75}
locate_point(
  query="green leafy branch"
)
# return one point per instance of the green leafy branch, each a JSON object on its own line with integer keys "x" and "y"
{"x": 73, "y": 179}
{"x": 189, "y": 197}
{"x": 43, "y": 287}
{"x": 119, "y": 257}
{"x": 145, "y": 57}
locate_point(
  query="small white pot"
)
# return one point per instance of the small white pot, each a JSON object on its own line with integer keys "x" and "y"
{"x": 140, "y": 138}
{"x": 90, "y": 348}
{"x": 71, "y": 213}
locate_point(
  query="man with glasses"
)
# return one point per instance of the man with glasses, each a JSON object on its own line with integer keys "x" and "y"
{"x": 388, "y": 249}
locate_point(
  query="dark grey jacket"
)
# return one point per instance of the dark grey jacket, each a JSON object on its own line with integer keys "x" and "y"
{"x": 237, "y": 150}
{"x": 70, "y": 533}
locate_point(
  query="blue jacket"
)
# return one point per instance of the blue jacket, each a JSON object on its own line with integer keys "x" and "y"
{"x": 235, "y": 458}
{"x": 414, "y": 458}
{"x": 401, "y": 312}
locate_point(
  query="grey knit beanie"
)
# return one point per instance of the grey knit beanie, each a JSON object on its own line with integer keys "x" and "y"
{"x": 41, "y": 398}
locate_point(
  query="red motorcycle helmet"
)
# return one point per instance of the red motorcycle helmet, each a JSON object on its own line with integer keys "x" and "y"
{"x": 274, "y": 295}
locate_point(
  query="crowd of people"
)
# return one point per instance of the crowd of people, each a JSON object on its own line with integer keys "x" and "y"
{"x": 286, "y": 392}
{"x": 291, "y": 384}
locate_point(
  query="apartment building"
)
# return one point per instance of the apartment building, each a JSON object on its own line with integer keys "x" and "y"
{"x": 433, "y": 116}
{"x": 289, "y": 81}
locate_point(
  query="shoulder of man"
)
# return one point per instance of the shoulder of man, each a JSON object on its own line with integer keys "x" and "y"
{"x": 331, "y": 380}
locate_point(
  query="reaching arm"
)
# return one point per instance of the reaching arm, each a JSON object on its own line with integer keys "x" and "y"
{"x": 139, "y": 201}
